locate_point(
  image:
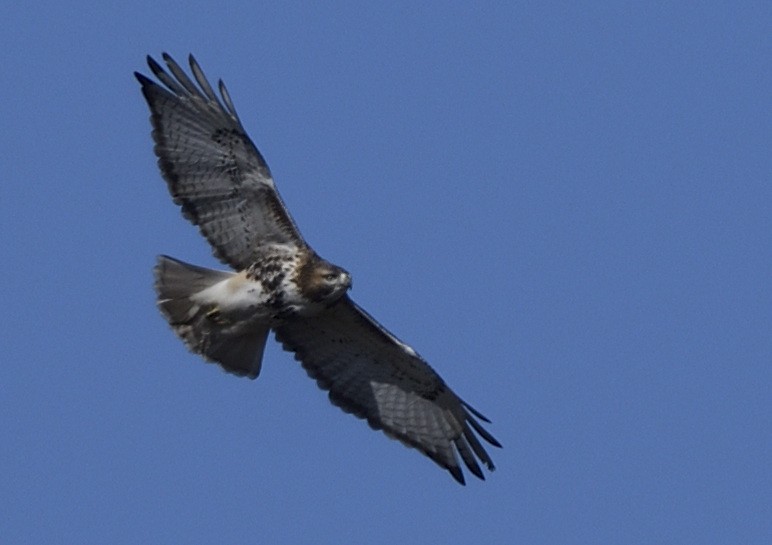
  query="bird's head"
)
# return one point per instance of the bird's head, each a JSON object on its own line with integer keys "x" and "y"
{"x": 323, "y": 282}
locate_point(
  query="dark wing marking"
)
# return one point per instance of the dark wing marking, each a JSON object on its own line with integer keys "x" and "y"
{"x": 212, "y": 168}
{"x": 373, "y": 375}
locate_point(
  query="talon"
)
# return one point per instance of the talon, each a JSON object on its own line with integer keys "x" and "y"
{"x": 215, "y": 316}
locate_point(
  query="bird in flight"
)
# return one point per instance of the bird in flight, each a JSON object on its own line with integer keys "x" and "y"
{"x": 223, "y": 185}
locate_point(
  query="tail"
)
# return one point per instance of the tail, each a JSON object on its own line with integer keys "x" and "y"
{"x": 237, "y": 349}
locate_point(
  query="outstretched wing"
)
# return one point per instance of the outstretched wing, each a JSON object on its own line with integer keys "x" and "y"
{"x": 373, "y": 375}
{"x": 213, "y": 169}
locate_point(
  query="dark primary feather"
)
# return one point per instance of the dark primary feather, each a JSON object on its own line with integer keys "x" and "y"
{"x": 213, "y": 170}
{"x": 369, "y": 373}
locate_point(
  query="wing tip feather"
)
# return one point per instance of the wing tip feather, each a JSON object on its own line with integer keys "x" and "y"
{"x": 458, "y": 475}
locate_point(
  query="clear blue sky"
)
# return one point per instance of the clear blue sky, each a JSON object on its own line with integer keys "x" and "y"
{"x": 566, "y": 208}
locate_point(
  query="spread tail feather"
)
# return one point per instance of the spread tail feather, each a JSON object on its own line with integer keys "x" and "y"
{"x": 237, "y": 349}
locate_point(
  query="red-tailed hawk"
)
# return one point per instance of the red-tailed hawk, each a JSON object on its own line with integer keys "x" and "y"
{"x": 223, "y": 185}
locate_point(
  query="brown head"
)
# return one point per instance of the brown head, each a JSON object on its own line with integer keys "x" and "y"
{"x": 322, "y": 282}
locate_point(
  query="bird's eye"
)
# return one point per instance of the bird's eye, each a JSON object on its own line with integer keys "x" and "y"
{"x": 330, "y": 276}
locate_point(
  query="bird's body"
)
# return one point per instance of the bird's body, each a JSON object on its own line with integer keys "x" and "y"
{"x": 223, "y": 185}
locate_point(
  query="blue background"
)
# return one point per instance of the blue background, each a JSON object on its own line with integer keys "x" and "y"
{"x": 565, "y": 207}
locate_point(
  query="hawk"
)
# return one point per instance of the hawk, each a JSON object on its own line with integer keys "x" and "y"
{"x": 223, "y": 185}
